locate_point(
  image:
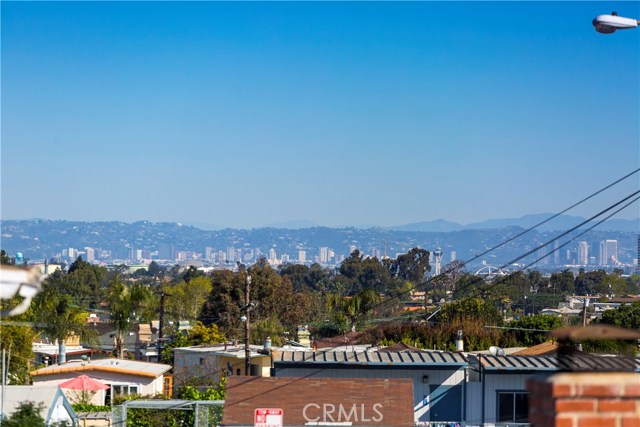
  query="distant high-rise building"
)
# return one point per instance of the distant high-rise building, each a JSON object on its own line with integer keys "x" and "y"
{"x": 231, "y": 254}
{"x": 72, "y": 253}
{"x": 272, "y": 254}
{"x": 324, "y": 255}
{"x": 302, "y": 256}
{"x": 167, "y": 251}
{"x": 90, "y": 254}
{"x": 209, "y": 253}
{"x": 454, "y": 256}
{"x": 608, "y": 252}
{"x": 556, "y": 253}
{"x": 583, "y": 253}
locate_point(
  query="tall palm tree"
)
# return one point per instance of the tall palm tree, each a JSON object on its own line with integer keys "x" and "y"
{"x": 124, "y": 300}
{"x": 58, "y": 317}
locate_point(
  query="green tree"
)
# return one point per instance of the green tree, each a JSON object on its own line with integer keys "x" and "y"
{"x": 563, "y": 282}
{"x": 4, "y": 258}
{"x": 124, "y": 300}
{"x": 626, "y": 316}
{"x": 27, "y": 414}
{"x": 187, "y": 298}
{"x": 351, "y": 311}
{"x": 18, "y": 343}
{"x": 590, "y": 282}
{"x": 58, "y": 317}
{"x": 83, "y": 282}
{"x": 479, "y": 310}
{"x": 529, "y": 330}
{"x": 358, "y": 272}
{"x": 199, "y": 334}
{"x": 412, "y": 266}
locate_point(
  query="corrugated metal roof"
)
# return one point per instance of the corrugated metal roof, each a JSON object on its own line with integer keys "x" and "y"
{"x": 411, "y": 358}
{"x": 519, "y": 363}
{"x": 577, "y": 362}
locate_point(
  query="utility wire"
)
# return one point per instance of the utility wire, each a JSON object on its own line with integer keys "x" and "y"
{"x": 569, "y": 231}
{"x": 584, "y": 232}
{"x": 553, "y": 216}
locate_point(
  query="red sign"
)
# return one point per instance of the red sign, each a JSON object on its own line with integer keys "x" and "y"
{"x": 268, "y": 417}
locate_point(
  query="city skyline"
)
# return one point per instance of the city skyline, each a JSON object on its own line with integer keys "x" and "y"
{"x": 340, "y": 114}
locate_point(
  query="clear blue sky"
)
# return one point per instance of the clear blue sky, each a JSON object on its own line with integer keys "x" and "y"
{"x": 245, "y": 114}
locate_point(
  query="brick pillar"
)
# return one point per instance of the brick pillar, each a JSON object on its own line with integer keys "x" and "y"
{"x": 585, "y": 399}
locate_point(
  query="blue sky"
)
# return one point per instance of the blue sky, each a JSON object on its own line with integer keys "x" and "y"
{"x": 244, "y": 114}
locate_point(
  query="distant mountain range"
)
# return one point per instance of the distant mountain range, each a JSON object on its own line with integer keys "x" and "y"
{"x": 562, "y": 222}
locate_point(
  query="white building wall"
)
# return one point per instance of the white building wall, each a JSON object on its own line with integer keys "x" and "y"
{"x": 492, "y": 384}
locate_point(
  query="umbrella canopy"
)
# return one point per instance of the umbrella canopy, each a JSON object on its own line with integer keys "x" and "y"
{"x": 83, "y": 382}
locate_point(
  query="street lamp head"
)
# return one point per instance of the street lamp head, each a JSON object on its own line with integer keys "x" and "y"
{"x": 243, "y": 318}
{"x": 607, "y": 24}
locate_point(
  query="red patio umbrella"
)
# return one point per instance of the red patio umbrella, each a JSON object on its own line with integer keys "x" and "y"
{"x": 83, "y": 382}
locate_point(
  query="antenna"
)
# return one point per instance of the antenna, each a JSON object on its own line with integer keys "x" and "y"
{"x": 496, "y": 351}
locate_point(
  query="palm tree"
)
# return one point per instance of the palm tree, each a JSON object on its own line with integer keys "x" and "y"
{"x": 59, "y": 318}
{"x": 124, "y": 300}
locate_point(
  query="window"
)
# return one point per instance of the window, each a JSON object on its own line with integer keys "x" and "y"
{"x": 513, "y": 407}
{"x": 124, "y": 389}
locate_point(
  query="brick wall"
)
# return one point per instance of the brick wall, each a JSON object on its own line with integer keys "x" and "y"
{"x": 363, "y": 402}
{"x": 579, "y": 399}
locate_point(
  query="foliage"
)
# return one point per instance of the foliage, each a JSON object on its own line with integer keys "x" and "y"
{"x": 541, "y": 322}
{"x": 177, "y": 418}
{"x": 349, "y": 312}
{"x": 359, "y": 272}
{"x": 83, "y": 282}
{"x": 199, "y": 334}
{"x": 411, "y": 267}
{"x": 441, "y": 336}
{"x": 4, "y": 257}
{"x": 58, "y": 317}
{"x": 475, "y": 309}
{"x": 26, "y": 414}
{"x": 626, "y": 316}
{"x": 187, "y": 298}
{"x": 88, "y": 407}
{"x": 124, "y": 300}
{"x": 590, "y": 282}
{"x": 563, "y": 282}
{"x": 271, "y": 294}
{"x": 17, "y": 341}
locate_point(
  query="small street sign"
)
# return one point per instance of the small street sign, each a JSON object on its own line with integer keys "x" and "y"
{"x": 268, "y": 417}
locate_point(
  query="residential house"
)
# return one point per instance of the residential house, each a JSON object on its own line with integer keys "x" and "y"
{"x": 123, "y": 376}
{"x": 205, "y": 365}
{"x": 56, "y": 408}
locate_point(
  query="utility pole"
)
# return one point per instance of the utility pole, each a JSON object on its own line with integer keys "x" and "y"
{"x": 584, "y": 311}
{"x": 163, "y": 294}
{"x": 247, "y": 310}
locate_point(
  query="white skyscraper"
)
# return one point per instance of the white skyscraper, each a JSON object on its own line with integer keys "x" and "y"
{"x": 583, "y": 253}
{"x": 91, "y": 254}
{"x": 324, "y": 255}
{"x": 302, "y": 256}
{"x": 608, "y": 252}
